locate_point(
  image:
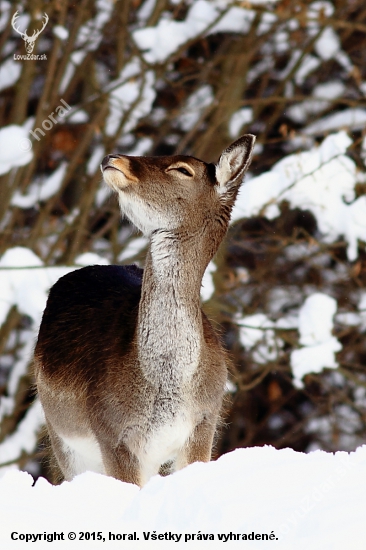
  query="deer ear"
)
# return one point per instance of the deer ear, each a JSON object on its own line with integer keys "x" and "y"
{"x": 234, "y": 162}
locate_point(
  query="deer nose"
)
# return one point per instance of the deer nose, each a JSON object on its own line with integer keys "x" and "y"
{"x": 106, "y": 160}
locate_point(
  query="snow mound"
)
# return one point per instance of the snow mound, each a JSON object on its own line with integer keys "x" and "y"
{"x": 301, "y": 501}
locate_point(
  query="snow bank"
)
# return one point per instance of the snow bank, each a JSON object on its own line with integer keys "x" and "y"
{"x": 302, "y": 501}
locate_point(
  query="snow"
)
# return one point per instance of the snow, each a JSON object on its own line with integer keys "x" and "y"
{"x": 25, "y": 283}
{"x": 159, "y": 42}
{"x": 328, "y": 44}
{"x": 315, "y": 328}
{"x": 299, "y": 499}
{"x": 12, "y": 150}
{"x": 95, "y": 160}
{"x": 78, "y": 117}
{"x": 61, "y": 32}
{"x": 267, "y": 21}
{"x": 351, "y": 318}
{"x": 307, "y": 66}
{"x": 313, "y": 359}
{"x": 208, "y": 287}
{"x": 238, "y": 119}
{"x": 261, "y": 67}
{"x": 4, "y": 14}
{"x": 9, "y": 73}
{"x": 89, "y": 35}
{"x": 316, "y": 319}
{"x": 142, "y": 147}
{"x": 145, "y": 10}
{"x": 321, "y": 180}
{"x": 41, "y": 191}
{"x": 353, "y": 119}
{"x": 25, "y": 436}
{"x": 325, "y": 92}
{"x": 165, "y": 38}
{"x": 134, "y": 96}
{"x": 90, "y": 258}
{"x": 133, "y": 248}
{"x": 76, "y": 59}
{"x": 362, "y": 304}
{"x": 363, "y": 150}
{"x": 315, "y": 325}
{"x": 236, "y": 20}
{"x": 257, "y": 331}
{"x": 318, "y": 8}
{"x": 195, "y": 106}
{"x": 261, "y": 2}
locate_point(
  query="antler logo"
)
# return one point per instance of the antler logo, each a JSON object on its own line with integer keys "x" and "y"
{"x": 29, "y": 40}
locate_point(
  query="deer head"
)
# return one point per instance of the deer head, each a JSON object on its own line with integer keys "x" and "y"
{"x": 180, "y": 194}
{"x": 29, "y": 40}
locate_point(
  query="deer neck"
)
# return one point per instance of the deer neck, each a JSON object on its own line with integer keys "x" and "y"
{"x": 170, "y": 333}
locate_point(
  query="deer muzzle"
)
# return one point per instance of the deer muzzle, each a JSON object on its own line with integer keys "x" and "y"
{"x": 116, "y": 172}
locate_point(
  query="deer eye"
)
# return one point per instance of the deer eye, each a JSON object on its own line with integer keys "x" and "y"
{"x": 183, "y": 168}
{"x": 184, "y": 171}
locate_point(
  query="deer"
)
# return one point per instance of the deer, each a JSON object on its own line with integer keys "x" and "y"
{"x": 130, "y": 372}
{"x": 29, "y": 40}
